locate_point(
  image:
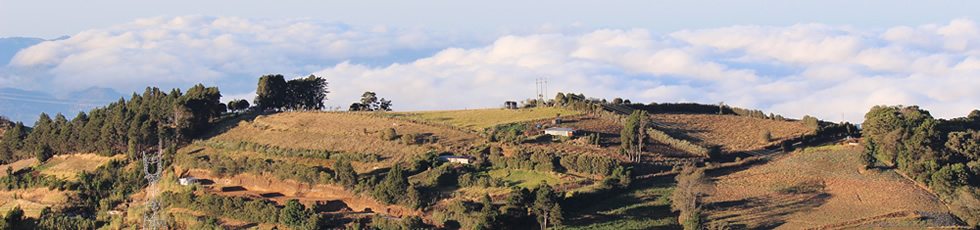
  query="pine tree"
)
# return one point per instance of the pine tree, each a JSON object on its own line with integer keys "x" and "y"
{"x": 393, "y": 188}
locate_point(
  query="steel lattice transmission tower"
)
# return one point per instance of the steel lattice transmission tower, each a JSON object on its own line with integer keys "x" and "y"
{"x": 153, "y": 169}
{"x": 541, "y": 89}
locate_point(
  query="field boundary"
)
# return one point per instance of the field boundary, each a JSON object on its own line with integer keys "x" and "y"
{"x": 653, "y": 133}
{"x": 867, "y": 220}
{"x": 393, "y": 117}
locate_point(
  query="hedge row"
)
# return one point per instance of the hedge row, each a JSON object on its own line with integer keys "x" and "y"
{"x": 272, "y": 150}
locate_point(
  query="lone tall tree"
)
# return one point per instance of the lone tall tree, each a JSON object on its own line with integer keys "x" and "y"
{"x": 546, "y": 206}
{"x": 633, "y": 135}
{"x": 691, "y": 186}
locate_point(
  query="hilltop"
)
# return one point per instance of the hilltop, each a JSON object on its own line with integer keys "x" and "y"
{"x": 306, "y": 169}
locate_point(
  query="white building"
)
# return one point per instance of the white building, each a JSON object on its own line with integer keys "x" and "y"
{"x": 554, "y": 131}
{"x": 456, "y": 159}
{"x": 188, "y": 181}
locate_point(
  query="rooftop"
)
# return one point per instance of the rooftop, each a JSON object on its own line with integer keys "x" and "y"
{"x": 559, "y": 129}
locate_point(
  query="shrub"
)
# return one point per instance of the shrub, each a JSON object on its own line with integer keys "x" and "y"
{"x": 694, "y": 220}
{"x": 409, "y": 139}
{"x": 766, "y": 136}
{"x": 787, "y": 145}
{"x": 388, "y": 134}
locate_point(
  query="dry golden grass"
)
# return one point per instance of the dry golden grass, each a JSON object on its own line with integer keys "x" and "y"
{"x": 17, "y": 165}
{"x": 68, "y": 166}
{"x": 343, "y": 132}
{"x": 480, "y": 119}
{"x": 32, "y": 200}
{"x": 757, "y": 197}
{"x": 734, "y": 133}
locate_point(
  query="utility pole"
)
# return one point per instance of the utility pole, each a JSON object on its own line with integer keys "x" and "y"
{"x": 545, "y": 88}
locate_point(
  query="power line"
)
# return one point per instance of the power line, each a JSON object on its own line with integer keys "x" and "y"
{"x": 54, "y": 101}
{"x": 48, "y": 102}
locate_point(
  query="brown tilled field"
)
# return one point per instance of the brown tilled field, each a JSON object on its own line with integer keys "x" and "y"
{"x": 344, "y": 132}
{"x": 817, "y": 187}
{"x": 733, "y": 133}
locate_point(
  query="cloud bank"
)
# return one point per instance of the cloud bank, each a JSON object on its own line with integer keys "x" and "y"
{"x": 832, "y": 72}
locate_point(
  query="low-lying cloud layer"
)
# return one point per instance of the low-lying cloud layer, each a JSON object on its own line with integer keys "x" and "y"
{"x": 831, "y": 72}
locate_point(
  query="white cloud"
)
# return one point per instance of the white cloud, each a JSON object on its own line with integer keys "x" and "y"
{"x": 827, "y": 71}
{"x": 176, "y": 51}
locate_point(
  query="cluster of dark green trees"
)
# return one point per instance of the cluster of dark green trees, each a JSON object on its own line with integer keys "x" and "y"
{"x": 100, "y": 190}
{"x": 942, "y": 154}
{"x": 371, "y": 102}
{"x": 224, "y": 165}
{"x": 522, "y": 159}
{"x": 589, "y": 163}
{"x": 395, "y": 189}
{"x": 522, "y": 208}
{"x": 28, "y": 178}
{"x": 121, "y": 127}
{"x": 277, "y": 151}
{"x": 294, "y": 214}
{"x": 274, "y": 92}
{"x": 512, "y": 134}
{"x": 238, "y": 105}
{"x": 15, "y": 219}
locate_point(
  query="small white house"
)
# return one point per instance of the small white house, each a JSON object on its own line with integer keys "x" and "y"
{"x": 456, "y": 159}
{"x": 188, "y": 181}
{"x": 554, "y": 131}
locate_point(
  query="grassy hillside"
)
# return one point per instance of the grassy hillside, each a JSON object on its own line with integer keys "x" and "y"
{"x": 480, "y": 119}
{"x": 17, "y": 165}
{"x": 733, "y": 133}
{"x": 816, "y": 187}
{"x": 343, "y": 132}
{"x": 646, "y": 207}
{"x": 68, "y": 166}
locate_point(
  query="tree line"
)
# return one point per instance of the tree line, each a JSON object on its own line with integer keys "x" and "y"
{"x": 120, "y": 127}
{"x": 274, "y": 92}
{"x": 942, "y": 154}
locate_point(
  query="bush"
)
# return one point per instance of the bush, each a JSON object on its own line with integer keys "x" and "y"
{"x": 787, "y": 145}
{"x": 766, "y": 136}
{"x": 409, "y": 139}
{"x": 388, "y": 134}
{"x": 694, "y": 220}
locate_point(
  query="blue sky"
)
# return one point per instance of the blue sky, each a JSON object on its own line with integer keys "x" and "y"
{"x": 50, "y": 19}
{"x": 831, "y": 59}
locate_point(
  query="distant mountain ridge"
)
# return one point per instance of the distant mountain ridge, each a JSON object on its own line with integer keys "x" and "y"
{"x": 25, "y": 105}
{"x": 10, "y": 46}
